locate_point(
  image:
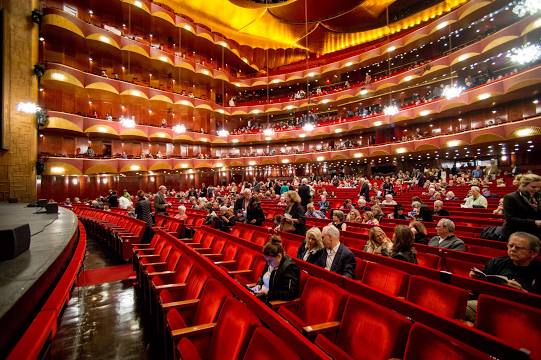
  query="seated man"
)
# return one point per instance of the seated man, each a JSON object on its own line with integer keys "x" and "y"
{"x": 311, "y": 212}
{"x": 519, "y": 265}
{"x": 439, "y": 210}
{"x": 339, "y": 258}
{"x": 446, "y": 237}
{"x": 475, "y": 200}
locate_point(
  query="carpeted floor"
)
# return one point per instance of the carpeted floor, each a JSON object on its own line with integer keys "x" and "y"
{"x": 105, "y": 274}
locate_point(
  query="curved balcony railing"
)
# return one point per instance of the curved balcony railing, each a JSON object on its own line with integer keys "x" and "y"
{"x": 504, "y": 85}
{"x": 507, "y": 131}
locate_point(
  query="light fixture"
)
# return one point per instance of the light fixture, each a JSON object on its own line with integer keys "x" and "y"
{"x": 308, "y": 127}
{"x": 391, "y": 110}
{"x": 179, "y": 129}
{"x": 28, "y": 107}
{"x": 127, "y": 122}
{"x": 483, "y": 96}
{"x": 526, "y": 54}
{"x": 527, "y": 7}
{"x": 452, "y": 91}
{"x": 268, "y": 132}
{"x": 222, "y": 133}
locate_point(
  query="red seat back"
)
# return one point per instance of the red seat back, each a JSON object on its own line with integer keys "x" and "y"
{"x": 460, "y": 267}
{"x": 442, "y": 299}
{"x": 359, "y": 268}
{"x": 429, "y": 260}
{"x": 260, "y": 238}
{"x": 367, "y": 331}
{"x": 385, "y": 278}
{"x": 429, "y": 344}
{"x": 320, "y": 301}
{"x": 264, "y": 345}
{"x": 516, "y": 324}
{"x": 210, "y": 303}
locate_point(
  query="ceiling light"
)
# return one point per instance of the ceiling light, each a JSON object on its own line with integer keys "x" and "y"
{"x": 135, "y": 168}
{"x": 425, "y": 113}
{"x": 308, "y": 127}
{"x": 524, "y": 132}
{"x": 320, "y": 158}
{"x": 285, "y": 161}
{"x": 28, "y": 107}
{"x": 57, "y": 170}
{"x": 391, "y": 110}
{"x": 222, "y": 133}
{"x": 234, "y": 141}
{"x": 483, "y": 96}
{"x": 127, "y": 122}
{"x": 378, "y": 123}
{"x": 527, "y": 7}
{"x": 363, "y": 92}
{"x": 525, "y": 54}
{"x": 268, "y": 132}
{"x": 179, "y": 129}
{"x": 338, "y": 130}
{"x": 453, "y": 91}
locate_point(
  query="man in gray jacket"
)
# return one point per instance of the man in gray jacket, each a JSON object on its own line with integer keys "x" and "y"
{"x": 446, "y": 237}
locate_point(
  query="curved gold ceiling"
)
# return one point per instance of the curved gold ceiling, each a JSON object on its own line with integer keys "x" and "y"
{"x": 331, "y": 25}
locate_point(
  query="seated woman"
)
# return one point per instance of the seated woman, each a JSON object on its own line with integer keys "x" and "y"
{"x": 378, "y": 213}
{"x": 347, "y": 205}
{"x": 403, "y": 245}
{"x": 398, "y": 213}
{"x": 419, "y": 232}
{"x": 181, "y": 213}
{"x": 499, "y": 209}
{"x": 280, "y": 277}
{"x": 354, "y": 216}
{"x": 312, "y": 249}
{"x": 338, "y": 218}
{"x": 378, "y": 243}
{"x": 368, "y": 218}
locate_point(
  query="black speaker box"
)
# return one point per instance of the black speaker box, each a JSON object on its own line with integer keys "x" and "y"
{"x": 14, "y": 240}
{"x": 51, "y": 208}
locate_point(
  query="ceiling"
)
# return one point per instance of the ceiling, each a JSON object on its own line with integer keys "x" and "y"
{"x": 323, "y": 26}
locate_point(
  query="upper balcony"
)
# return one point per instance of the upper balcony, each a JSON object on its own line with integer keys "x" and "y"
{"x": 445, "y": 144}
{"x": 490, "y": 92}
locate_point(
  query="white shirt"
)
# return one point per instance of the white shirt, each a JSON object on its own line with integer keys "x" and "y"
{"x": 330, "y": 256}
{"x": 124, "y": 203}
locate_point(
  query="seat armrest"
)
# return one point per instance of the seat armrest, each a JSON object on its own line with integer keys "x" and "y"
{"x": 193, "y": 330}
{"x": 212, "y": 255}
{"x": 225, "y": 262}
{"x": 154, "y": 264}
{"x": 159, "y": 273}
{"x": 235, "y": 272}
{"x": 198, "y": 249}
{"x": 181, "y": 304}
{"x": 275, "y": 304}
{"x": 170, "y": 286}
{"x": 149, "y": 256}
{"x": 319, "y": 328}
{"x": 141, "y": 250}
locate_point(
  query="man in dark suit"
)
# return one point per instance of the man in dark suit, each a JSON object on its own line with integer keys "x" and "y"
{"x": 522, "y": 208}
{"x": 339, "y": 258}
{"x": 241, "y": 204}
{"x": 446, "y": 237}
{"x": 160, "y": 202}
{"x": 304, "y": 193}
{"x": 365, "y": 190}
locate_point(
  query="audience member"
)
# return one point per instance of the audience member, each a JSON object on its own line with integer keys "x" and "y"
{"x": 312, "y": 249}
{"x": 181, "y": 215}
{"x": 378, "y": 243}
{"x": 439, "y": 210}
{"x": 294, "y": 213}
{"x": 339, "y": 258}
{"x": 475, "y": 200}
{"x": 254, "y": 212}
{"x": 522, "y": 208}
{"x": 160, "y": 203}
{"x": 338, "y": 218}
{"x": 403, "y": 245}
{"x": 143, "y": 212}
{"x": 280, "y": 277}
{"x": 419, "y": 232}
{"x": 311, "y": 212}
{"x": 446, "y": 237}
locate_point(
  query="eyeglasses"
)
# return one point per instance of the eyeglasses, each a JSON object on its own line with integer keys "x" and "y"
{"x": 518, "y": 248}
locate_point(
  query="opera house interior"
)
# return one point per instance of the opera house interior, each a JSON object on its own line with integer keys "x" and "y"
{"x": 260, "y": 179}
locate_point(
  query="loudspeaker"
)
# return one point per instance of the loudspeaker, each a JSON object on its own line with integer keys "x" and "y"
{"x": 51, "y": 208}
{"x": 14, "y": 240}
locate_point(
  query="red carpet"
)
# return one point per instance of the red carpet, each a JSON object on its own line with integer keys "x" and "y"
{"x": 106, "y": 274}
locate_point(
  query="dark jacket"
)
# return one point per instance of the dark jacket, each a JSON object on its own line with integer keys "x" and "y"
{"x": 421, "y": 238}
{"x": 520, "y": 215}
{"x": 317, "y": 258}
{"x": 409, "y": 256}
{"x": 255, "y": 213}
{"x": 304, "y": 193}
{"x": 239, "y": 205}
{"x": 143, "y": 211}
{"x": 441, "y": 212}
{"x": 284, "y": 281}
{"x": 344, "y": 262}
{"x": 297, "y": 212}
{"x": 527, "y": 276}
{"x": 160, "y": 203}
{"x": 365, "y": 191}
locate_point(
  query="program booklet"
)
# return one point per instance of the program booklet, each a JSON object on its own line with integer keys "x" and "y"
{"x": 497, "y": 279}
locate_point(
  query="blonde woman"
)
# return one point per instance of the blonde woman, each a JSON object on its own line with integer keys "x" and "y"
{"x": 294, "y": 213}
{"x": 369, "y": 219}
{"x": 354, "y": 216}
{"x": 522, "y": 208}
{"x": 312, "y": 249}
{"x": 378, "y": 243}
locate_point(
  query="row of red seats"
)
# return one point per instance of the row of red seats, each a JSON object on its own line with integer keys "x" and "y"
{"x": 362, "y": 317}
{"x": 204, "y": 313}
{"x": 41, "y": 331}
{"x": 436, "y": 264}
{"x": 116, "y": 230}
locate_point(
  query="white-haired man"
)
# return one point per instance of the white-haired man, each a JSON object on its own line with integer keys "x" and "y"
{"x": 475, "y": 200}
{"x": 339, "y": 258}
{"x": 446, "y": 237}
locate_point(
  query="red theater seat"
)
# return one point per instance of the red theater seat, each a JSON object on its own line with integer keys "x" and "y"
{"x": 320, "y": 302}
{"x": 368, "y": 331}
{"x": 442, "y": 299}
{"x": 461, "y": 267}
{"x": 189, "y": 290}
{"x": 428, "y": 344}
{"x": 516, "y": 324}
{"x": 429, "y": 260}
{"x": 264, "y": 345}
{"x": 359, "y": 268}
{"x": 229, "y": 336}
{"x": 385, "y": 278}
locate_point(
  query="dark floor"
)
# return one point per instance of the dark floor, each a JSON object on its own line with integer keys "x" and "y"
{"x": 101, "y": 321}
